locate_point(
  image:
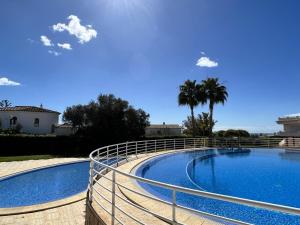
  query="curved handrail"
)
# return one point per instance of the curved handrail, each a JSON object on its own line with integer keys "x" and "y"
{"x": 188, "y": 143}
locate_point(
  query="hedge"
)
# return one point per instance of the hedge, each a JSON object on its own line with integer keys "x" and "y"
{"x": 68, "y": 146}
{"x": 13, "y": 145}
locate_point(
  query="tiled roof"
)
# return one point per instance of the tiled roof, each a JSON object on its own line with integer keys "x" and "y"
{"x": 160, "y": 126}
{"x": 27, "y": 109}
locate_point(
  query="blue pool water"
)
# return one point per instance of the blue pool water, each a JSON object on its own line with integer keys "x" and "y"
{"x": 269, "y": 175}
{"x": 44, "y": 185}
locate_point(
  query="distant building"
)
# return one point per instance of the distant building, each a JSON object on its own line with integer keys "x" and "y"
{"x": 64, "y": 129}
{"x": 163, "y": 130}
{"x": 31, "y": 119}
{"x": 291, "y": 125}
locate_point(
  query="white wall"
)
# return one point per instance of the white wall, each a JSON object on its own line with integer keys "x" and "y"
{"x": 163, "y": 131}
{"x": 64, "y": 131}
{"x": 26, "y": 119}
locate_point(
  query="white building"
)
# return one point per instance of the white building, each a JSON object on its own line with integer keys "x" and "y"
{"x": 64, "y": 129}
{"x": 31, "y": 119}
{"x": 163, "y": 130}
{"x": 291, "y": 125}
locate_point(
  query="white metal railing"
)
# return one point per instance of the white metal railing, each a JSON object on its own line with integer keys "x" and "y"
{"x": 108, "y": 158}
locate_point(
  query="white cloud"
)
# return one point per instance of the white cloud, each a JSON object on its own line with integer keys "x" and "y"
{"x": 54, "y": 52}
{"x": 206, "y": 62}
{"x": 64, "y": 46}
{"x": 82, "y": 33}
{"x": 6, "y": 82}
{"x": 31, "y": 41}
{"x": 202, "y": 53}
{"x": 46, "y": 41}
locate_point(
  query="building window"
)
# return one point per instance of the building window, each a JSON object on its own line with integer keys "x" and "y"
{"x": 13, "y": 121}
{"x": 36, "y": 122}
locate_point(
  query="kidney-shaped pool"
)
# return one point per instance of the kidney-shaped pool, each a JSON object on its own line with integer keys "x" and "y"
{"x": 44, "y": 185}
{"x": 269, "y": 175}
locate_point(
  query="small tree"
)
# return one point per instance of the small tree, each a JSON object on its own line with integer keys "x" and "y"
{"x": 202, "y": 125}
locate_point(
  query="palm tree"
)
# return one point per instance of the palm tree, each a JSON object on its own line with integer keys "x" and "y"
{"x": 5, "y": 103}
{"x": 215, "y": 93}
{"x": 191, "y": 94}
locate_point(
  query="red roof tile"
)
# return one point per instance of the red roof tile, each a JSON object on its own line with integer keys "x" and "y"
{"x": 28, "y": 109}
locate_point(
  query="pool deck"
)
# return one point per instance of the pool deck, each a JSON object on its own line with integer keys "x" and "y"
{"x": 70, "y": 214}
{"x": 182, "y": 216}
{"x": 74, "y": 213}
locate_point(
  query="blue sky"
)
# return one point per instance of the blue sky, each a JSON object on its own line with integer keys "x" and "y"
{"x": 142, "y": 50}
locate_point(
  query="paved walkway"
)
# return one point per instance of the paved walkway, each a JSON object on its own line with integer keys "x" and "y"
{"x": 73, "y": 214}
{"x": 102, "y": 195}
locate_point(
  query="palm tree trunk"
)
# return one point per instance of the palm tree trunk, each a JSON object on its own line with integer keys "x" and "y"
{"x": 211, "y": 110}
{"x": 193, "y": 120}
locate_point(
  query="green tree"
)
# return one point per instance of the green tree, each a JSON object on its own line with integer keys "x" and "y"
{"x": 220, "y": 133}
{"x": 236, "y": 133}
{"x": 215, "y": 93}
{"x": 109, "y": 120}
{"x": 136, "y": 122}
{"x": 75, "y": 114}
{"x": 202, "y": 125}
{"x": 191, "y": 94}
{"x": 232, "y": 133}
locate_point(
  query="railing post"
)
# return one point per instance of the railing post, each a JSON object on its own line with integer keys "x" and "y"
{"x": 174, "y": 145}
{"x": 126, "y": 151}
{"x": 174, "y": 206}
{"x": 294, "y": 142}
{"x": 146, "y": 144}
{"x": 117, "y": 155}
{"x": 136, "y": 147}
{"x": 113, "y": 197}
{"x": 165, "y": 145}
{"x": 107, "y": 158}
{"x": 184, "y": 143}
{"x": 98, "y": 159}
{"x": 91, "y": 181}
{"x": 194, "y": 143}
{"x": 155, "y": 146}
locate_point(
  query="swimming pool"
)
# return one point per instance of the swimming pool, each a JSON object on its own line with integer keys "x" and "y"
{"x": 44, "y": 185}
{"x": 270, "y": 175}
